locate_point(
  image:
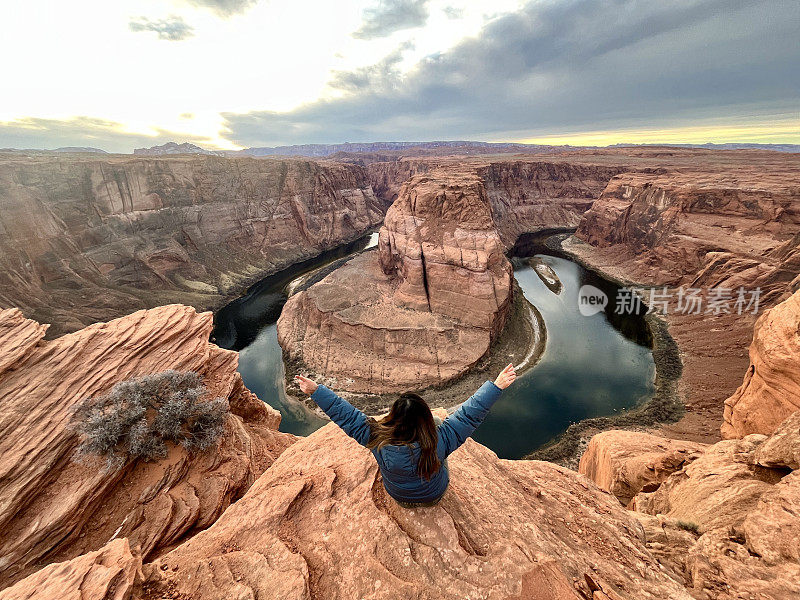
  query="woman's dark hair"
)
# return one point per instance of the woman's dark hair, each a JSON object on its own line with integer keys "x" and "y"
{"x": 409, "y": 420}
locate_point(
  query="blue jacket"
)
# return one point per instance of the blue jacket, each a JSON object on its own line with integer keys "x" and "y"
{"x": 398, "y": 464}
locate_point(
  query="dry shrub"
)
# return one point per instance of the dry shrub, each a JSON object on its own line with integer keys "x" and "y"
{"x": 138, "y": 416}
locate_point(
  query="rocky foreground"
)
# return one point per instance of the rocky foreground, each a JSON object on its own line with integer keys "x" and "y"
{"x": 269, "y": 515}
{"x": 53, "y": 508}
{"x": 86, "y": 239}
{"x": 727, "y": 515}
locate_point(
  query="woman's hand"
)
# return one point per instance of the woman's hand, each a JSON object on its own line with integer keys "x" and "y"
{"x": 506, "y": 378}
{"x": 306, "y": 385}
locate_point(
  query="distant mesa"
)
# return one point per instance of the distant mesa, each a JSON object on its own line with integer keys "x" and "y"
{"x": 80, "y": 149}
{"x": 727, "y": 146}
{"x": 435, "y": 147}
{"x": 175, "y": 148}
{"x": 65, "y": 150}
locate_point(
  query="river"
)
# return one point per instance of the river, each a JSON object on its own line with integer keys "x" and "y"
{"x": 591, "y": 366}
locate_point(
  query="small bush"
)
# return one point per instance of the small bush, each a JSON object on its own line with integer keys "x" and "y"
{"x": 137, "y": 417}
{"x": 688, "y": 526}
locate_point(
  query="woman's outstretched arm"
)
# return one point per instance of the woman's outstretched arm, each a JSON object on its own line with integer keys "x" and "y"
{"x": 352, "y": 421}
{"x": 459, "y": 426}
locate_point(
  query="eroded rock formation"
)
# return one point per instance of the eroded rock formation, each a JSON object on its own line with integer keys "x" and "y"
{"x": 771, "y": 388}
{"x": 86, "y": 239}
{"x": 318, "y": 524}
{"x": 710, "y": 227}
{"x": 628, "y": 462}
{"x": 421, "y": 309}
{"x": 739, "y": 500}
{"x": 53, "y": 508}
{"x": 113, "y": 572}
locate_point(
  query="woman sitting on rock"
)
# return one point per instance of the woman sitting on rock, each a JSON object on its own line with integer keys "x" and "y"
{"x": 409, "y": 445}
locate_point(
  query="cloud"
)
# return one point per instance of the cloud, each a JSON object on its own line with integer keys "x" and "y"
{"x": 173, "y": 28}
{"x": 32, "y": 132}
{"x": 453, "y": 12}
{"x": 390, "y": 16}
{"x": 383, "y": 75}
{"x": 560, "y": 66}
{"x": 225, "y": 8}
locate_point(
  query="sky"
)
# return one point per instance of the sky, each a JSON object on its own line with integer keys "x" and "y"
{"x": 230, "y": 74}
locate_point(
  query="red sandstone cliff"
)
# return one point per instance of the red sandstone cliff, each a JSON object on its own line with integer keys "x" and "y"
{"x": 739, "y": 497}
{"x": 87, "y": 239}
{"x": 420, "y": 310}
{"x": 771, "y": 388}
{"x": 532, "y": 195}
{"x": 52, "y": 508}
{"x": 702, "y": 227}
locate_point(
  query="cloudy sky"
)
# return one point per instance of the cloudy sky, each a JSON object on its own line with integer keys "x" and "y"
{"x": 239, "y": 73}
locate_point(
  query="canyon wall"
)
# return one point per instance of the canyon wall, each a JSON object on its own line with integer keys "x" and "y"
{"x": 525, "y": 194}
{"x": 532, "y": 195}
{"x": 702, "y": 227}
{"x": 387, "y": 176}
{"x": 87, "y": 239}
{"x": 737, "y": 500}
{"x": 723, "y": 516}
{"x": 421, "y": 309}
{"x": 712, "y": 221}
{"x": 770, "y": 391}
{"x": 53, "y": 508}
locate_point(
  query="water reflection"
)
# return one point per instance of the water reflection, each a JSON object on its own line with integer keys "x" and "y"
{"x": 591, "y": 366}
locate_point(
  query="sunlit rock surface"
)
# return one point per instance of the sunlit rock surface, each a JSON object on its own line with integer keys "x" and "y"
{"x": 53, "y": 508}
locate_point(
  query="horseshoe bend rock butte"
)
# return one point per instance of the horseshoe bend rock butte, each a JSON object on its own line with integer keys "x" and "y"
{"x": 422, "y": 308}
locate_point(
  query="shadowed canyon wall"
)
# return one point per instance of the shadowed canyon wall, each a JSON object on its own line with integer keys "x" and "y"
{"x": 83, "y": 240}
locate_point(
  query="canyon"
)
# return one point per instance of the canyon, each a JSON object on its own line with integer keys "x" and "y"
{"x": 426, "y": 306}
{"x": 422, "y": 308}
{"x": 268, "y": 514}
{"x": 85, "y": 239}
{"x": 672, "y": 512}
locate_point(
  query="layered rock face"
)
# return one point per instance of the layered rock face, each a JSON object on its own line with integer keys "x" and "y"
{"x": 532, "y": 195}
{"x": 112, "y": 573}
{"x": 771, "y": 388}
{"x": 52, "y": 508}
{"x": 439, "y": 244}
{"x": 739, "y": 498}
{"x": 710, "y": 227}
{"x": 736, "y": 499}
{"x": 628, "y": 462}
{"x": 387, "y": 176}
{"x": 318, "y": 524}
{"x": 525, "y": 194}
{"x": 420, "y": 310}
{"x": 88, "y": 239}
